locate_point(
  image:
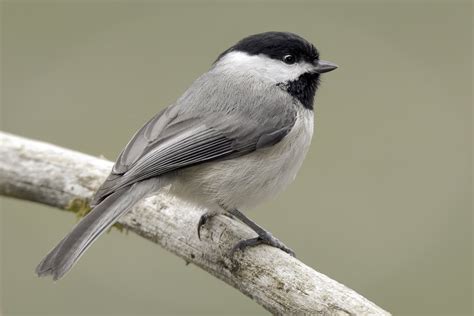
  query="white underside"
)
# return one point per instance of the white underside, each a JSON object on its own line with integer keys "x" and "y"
{"x": 247, "y": 181}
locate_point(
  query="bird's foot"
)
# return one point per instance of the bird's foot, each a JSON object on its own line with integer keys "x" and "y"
{"x": 206, "y": 217}
{"x": 266, "y": 239}
{"x": 203, "y": 220}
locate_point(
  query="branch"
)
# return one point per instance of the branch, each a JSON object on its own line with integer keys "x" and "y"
{"x": 66, "y": 179}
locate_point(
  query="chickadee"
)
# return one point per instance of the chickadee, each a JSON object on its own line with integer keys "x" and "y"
{"x": 235, "y": 138}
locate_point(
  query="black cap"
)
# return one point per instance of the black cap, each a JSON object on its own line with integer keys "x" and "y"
{"x": 276, "y": 45}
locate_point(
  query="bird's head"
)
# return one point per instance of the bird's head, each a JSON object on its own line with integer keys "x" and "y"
{"x": 279, "y": 58}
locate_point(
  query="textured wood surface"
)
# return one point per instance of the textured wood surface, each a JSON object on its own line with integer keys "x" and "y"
{"x": 66, "y": 179}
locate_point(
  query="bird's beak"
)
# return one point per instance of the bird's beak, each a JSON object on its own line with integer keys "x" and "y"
{"x": 324, "y": 66}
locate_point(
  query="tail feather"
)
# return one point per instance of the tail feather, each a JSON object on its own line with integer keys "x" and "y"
{"x": 63, "y": 257}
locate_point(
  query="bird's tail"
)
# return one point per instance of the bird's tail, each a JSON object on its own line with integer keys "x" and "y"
{"x": 62, "y": 258}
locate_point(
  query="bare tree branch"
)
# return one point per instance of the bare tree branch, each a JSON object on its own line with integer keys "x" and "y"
{"x": 66, "y": 179}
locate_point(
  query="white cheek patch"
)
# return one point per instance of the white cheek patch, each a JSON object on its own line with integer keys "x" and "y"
{"x": 261, "y": 66}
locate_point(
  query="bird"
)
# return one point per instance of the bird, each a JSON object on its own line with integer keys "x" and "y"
{"x": 235, "y": 138}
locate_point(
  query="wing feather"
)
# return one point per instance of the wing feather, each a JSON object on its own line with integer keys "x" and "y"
{"x": 176, "y": 139}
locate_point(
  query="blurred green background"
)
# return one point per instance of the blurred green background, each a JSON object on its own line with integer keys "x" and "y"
{"x": 382, "y": 204}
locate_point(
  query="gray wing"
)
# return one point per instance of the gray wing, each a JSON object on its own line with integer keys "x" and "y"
{"x": 170, "y": 142}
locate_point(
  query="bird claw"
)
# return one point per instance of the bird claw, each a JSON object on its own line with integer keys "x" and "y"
{"x": 206, "y": 217}
{"x": 203, "y": 220}
{"x": 266, "y": 239}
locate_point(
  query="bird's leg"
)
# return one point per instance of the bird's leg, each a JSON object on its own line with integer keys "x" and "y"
{"x": 207, "y": 216}
{"x": 264, "y": 237}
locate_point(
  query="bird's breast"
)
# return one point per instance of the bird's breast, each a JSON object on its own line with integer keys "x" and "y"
{"x": 248, "y": 180}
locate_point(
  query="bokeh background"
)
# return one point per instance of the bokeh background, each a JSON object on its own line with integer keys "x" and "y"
{"x": 382, "y": 204}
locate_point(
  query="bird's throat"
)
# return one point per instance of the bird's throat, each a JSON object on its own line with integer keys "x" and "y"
{"x": 303, "y": 88}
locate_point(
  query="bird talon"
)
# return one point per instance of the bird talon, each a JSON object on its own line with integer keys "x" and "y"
{"x": 203, "y": 220}
{"x": 266, "y": 239}
{"x": 241, "y": 245}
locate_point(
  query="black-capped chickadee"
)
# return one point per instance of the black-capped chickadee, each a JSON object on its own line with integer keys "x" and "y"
{"x": 235, "y": 138}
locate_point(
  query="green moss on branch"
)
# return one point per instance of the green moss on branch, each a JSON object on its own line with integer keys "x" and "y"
{"x": 81, "y": 208}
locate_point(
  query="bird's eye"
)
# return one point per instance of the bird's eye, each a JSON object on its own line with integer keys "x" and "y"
{"x": 289, "y": 59}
